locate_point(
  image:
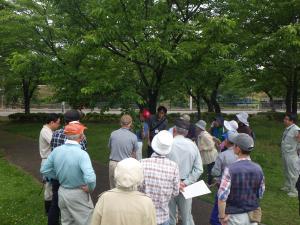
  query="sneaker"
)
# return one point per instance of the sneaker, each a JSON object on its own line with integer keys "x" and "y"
{"x": 285, "y": 189}
{"x": 292, "y": 194}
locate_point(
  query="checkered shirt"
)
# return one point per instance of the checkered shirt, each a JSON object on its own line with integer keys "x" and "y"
{"x": 59, "y": 138}
{"x": 161, "y": 183}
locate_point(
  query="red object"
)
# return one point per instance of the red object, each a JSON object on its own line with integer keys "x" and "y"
{"x": 146, "y": 113}
{"x": 74, "y": 128}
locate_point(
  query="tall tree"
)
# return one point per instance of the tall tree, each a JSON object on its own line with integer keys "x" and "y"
{"x": 26, "y": 74}
{"x": 146, "y": 34}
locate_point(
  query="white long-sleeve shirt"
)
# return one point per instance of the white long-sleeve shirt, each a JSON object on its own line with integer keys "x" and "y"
{"x": 44, "y": 142}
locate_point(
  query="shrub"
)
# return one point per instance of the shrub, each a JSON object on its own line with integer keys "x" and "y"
{"x": 275, "y": 116}
{"x": 32, "y": 117}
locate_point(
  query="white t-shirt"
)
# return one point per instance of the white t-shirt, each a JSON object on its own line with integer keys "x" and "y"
{"x": 44, "y": 141}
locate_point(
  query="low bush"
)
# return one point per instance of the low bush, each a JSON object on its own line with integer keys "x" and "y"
{"x": 115, "y": 118}
{"x": 272, "y": 116}
{"x": 32, "y": 117}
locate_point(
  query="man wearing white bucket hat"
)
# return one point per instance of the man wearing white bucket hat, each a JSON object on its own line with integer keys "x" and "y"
{"x": 124, "y": 204}
{"x": 161, "y": 176}
{"x": 207, "y": 148}
{"x": 244, "y": 126}
{"x": 186, "y": 154}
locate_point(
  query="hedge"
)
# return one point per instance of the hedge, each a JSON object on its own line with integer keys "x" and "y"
{"x": 115, "y": 118}
{"x": 32, "y": 117}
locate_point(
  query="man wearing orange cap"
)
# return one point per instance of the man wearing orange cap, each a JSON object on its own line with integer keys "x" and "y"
{"x": 73, "y": 169}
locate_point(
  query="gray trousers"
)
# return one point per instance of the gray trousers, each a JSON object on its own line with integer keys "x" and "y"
{"x": 184, "y": 208}
{"x": 76, "y": 206}
{"x": 239, "y": 219}
{"x": 111, "y": 173}
{"x": 290, "y": 170}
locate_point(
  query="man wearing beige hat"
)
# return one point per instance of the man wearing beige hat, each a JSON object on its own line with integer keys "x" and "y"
{"x": 161, "y": 176}
{"x": 124, "y": 204}
{"x": 207, "y": 148}
{"x": 122, "y": 144}
{"x": 186, "y": 154}
{"x": 73, "y": 169}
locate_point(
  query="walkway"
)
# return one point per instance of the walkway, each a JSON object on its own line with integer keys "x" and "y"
{"x": 23, "y": 152}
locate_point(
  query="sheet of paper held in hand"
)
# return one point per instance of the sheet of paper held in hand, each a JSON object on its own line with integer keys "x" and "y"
{"x": 196, "y": 189}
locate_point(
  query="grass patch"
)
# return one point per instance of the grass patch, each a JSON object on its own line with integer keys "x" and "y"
{"x": 97, "y": 136}
{"x": 278, "y": 208}
{"x": 20, "y": 201}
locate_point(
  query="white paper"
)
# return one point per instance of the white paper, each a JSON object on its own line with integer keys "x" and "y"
{"x": 196, "y": 189}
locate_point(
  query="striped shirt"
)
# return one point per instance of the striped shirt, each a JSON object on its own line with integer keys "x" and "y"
{"x": 161, "y": 183}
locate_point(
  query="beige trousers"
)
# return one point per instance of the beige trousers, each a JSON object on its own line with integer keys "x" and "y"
{"x": 76, "y": 206}
{"x": 239, "y": 219}
{"x": 112, "y": 167}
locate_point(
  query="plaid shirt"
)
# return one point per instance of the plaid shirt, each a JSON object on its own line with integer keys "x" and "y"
{"x": 225, "y": 186}
{"x": 161, "y": 183}
{"x": 59, "y": 138}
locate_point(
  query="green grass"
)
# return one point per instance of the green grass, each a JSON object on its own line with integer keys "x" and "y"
{"x": 97, "y": 135}
{"x": 278, "y": 209}
{"x": 20, "y": 202}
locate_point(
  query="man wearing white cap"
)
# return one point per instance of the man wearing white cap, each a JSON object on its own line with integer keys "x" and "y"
{"x": 207, "y": 148}
{"x": 244, "y": 126}
{"x": 161, "y": 176}
{"x": 186, "y": 154}
{"x": 124, "y": 204}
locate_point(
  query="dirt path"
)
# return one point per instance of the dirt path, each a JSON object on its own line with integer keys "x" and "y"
{"x": 23, "y": 152}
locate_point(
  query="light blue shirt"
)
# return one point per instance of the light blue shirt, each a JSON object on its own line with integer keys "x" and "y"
{"x": 71, "y": 166}
{"x": 186, "y": 154}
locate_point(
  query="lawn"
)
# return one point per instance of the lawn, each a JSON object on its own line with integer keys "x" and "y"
{"x": 20, "y": 202}
{"x": 278, "y": 209}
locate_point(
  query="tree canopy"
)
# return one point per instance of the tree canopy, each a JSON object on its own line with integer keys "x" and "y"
{"x": 125, "y": 52}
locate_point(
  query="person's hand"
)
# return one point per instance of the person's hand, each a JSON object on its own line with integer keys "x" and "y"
{"x": 182, "y": 186}
{"x": 224, "y": 221}
{"x": 85, "y": 188}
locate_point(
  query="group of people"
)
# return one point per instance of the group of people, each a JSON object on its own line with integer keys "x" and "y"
{"x": 149, "y": 190}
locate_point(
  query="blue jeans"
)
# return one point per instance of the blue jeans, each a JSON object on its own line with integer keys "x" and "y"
{"x": 214, "y": 217}
{"x": 165, "y": 223}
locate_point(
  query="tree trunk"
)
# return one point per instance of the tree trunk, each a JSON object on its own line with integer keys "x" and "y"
{"x": 288, "y": 99}
{"x": 26, "y": 96}
{"x": 271, "y": 99}
{"x": 210, "y": 107}
{"x": 214, "y": 95}
{"x": 214, "y": 101}
{"x": 295, "y": 94}
{"x": 152, "y": 100}
{"x": 197, "y": 99}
